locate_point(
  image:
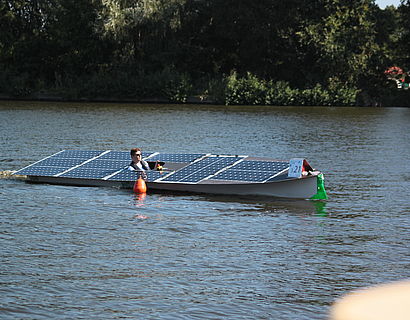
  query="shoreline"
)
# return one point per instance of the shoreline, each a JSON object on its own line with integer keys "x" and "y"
{"x": 55, "y": 98}
{"x": 191, "y": 100}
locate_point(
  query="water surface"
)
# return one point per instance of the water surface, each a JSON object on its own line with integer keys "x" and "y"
{"x": 101, "y": 253}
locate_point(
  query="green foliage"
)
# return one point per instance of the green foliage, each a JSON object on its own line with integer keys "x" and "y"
{"x": 178, "y": 88}
{"x": 250, "y": 90}
{"x": 404, "y": 37}
{"x": 16, "y": 85}
{"x": 317, "y": 52}
{"x": 280, "y": 94}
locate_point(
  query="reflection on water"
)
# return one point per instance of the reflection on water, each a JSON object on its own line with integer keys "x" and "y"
{"x": 139, "y": 199}
{"x": 102, "y": 253}
{"x": 266, "y": 205}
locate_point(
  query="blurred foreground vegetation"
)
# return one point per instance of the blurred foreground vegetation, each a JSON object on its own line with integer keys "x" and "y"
{"x": 294, "y": 52}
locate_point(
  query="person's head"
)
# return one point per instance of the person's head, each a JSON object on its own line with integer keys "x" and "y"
{"x": 136, "y": 154}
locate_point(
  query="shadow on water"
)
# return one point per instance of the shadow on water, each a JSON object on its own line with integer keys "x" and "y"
{"x": 260, "y": 204}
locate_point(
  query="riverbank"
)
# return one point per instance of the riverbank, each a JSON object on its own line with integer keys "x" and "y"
{"x": 389, "y": 101}
{"x": 154, "y": 100}
{"x": 229, "y": 90}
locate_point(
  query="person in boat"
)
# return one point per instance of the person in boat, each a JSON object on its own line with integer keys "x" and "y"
{"x": 137, "y": 164}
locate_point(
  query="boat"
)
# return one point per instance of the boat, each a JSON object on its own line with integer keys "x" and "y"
{"x": 182, "y": 172}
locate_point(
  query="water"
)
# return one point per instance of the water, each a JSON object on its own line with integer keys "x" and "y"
{"x": 101, "y": 253}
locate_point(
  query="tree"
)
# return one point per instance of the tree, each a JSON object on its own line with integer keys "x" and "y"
{"x": 403, "y": 48}
{"x": 344, "y": 39}
{"x": 141, "y": 28}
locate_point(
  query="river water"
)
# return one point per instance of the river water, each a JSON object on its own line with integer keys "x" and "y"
{"x": 102, "y": 253}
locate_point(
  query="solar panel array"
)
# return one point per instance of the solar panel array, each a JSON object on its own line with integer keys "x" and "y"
{"x": 113, "y": 165}
{"x": 80, "y": 164}
{"x": 58, "y": 163}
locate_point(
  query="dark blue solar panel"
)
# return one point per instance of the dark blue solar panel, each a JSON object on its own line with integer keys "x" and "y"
{"x": 50, "y": 166}
{"x": 190, "y": 169}
{"x": 59, "y": 162}
{"x": 116, "y": 155}
{"x": 176, "y": 157}
{"x": 40, "y": 171}
{"x": 211, "y": 169}
{"x": 90, "y": 173}
{"x": 128, "y": 175}
{"x": 255, "y": 165}
{"x": 242, "y": 175}
{"x": 83, "y": 154}
{"x": 106, "y": 164}
{"x": 201, "y": 169}
{"x": 254, "y": 171}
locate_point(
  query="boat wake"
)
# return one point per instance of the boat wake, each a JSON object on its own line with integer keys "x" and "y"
{"x": 8, "y": 174}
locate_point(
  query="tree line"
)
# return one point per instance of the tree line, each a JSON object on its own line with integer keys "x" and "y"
{"x": 294, "y": 52}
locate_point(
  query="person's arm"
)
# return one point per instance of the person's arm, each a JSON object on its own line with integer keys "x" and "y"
{"x": 145, "y": 165}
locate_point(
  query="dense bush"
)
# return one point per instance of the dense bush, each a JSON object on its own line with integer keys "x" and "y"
{"x": 250, "y": 90}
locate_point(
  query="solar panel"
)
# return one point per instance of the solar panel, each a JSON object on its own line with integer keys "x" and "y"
{"x": 59, "y": 162}
{"x": 116, "y": 155}
{"x": 201, "y": 169}
{"x": 89, "y": 173}
{"x": 190, "y": 169}
{"x": 255, "y": 165}
{"x": 40, "y": 171}
{"x": 83, "y": 154}
{"x": 253, "y": 171}
{"x": 242, "y": 175}
{"x": 51, "y": 165}
{"x": 106, "y": 164}
{"x": 210, "y": 170}
{"x": 176, "y": 157}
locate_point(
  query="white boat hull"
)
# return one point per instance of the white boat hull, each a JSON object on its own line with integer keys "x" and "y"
{"x": 303, "y": 188}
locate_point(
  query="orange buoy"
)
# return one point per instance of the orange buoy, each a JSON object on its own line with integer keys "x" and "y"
{"x": 140, "y": 186}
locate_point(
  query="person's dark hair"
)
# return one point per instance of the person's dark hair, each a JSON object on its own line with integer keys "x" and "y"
{"x": 134, "y": 151}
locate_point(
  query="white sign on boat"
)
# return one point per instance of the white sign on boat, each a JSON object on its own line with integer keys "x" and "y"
{"x": 295, "y": 168}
